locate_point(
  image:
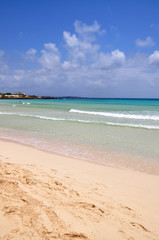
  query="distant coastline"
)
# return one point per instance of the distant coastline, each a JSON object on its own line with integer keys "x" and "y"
{"x": 20, "y": 95}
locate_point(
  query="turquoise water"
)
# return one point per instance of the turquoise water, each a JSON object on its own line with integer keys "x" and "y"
{"x": 113, "y": 132}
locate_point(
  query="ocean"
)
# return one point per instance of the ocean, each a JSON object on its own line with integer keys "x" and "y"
{"x": 121, "y": 133}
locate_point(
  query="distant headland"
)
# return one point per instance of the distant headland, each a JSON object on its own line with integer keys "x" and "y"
{"x": 20, "y": 95}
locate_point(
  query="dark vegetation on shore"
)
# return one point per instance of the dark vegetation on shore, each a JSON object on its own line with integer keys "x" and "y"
{"x": 24, "y": 96}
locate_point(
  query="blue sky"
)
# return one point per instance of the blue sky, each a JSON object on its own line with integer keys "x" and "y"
{"x": 80, "y": 48}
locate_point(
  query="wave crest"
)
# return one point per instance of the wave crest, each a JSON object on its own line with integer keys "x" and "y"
{"x": 83, "y": 121}
{"x": 117, "y": 115}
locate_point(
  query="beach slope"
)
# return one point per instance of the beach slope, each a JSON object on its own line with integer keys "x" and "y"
{"x": 47, "y": 196}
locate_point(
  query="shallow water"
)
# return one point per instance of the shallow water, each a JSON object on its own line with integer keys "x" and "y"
{"x": 116, "y": 132}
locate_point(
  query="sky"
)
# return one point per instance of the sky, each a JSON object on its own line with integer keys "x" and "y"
{"x": 99, "y": 48}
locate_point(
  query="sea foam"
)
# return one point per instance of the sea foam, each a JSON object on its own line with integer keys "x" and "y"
{"x": 83, "y": 121}
{"x": 117, "y": 115}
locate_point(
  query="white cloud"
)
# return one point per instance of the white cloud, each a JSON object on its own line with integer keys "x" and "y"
{"x": 71, "y": 41}
{"x": 51, "y": 47}
{"x": 31, "y": 51}
{"x": 80, "y": 50}
{"x": 88, "y": 32}
{"x": 82, "y": 28}
{"x": 69, "y": 65}
{"x": 154, "y": 58}
{"x": 118, "y": 57}
{"x": 148, "y": 42}
{"x": 110, "y": 60}
{"x": 30, "y": 54}
{"x": 50, "y": 57}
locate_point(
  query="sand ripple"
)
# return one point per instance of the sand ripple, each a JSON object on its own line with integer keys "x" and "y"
{"x": 42, "y": 205}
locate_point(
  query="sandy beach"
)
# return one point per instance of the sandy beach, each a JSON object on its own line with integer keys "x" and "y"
{"x": 47, "y": 196}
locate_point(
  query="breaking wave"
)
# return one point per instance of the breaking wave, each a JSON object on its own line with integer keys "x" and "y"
{"x": 118, "y": 115}
{"x": 83, "y": 121}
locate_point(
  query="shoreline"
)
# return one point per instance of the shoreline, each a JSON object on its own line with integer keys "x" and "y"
{"x": 49, "y": 196}
{"x": 113, "y": 155}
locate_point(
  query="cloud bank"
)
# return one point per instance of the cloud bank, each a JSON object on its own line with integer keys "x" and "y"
{"x": 85, "y": 69}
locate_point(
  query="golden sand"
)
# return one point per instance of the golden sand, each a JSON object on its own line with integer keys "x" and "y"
{"x": 45, "y": 196}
